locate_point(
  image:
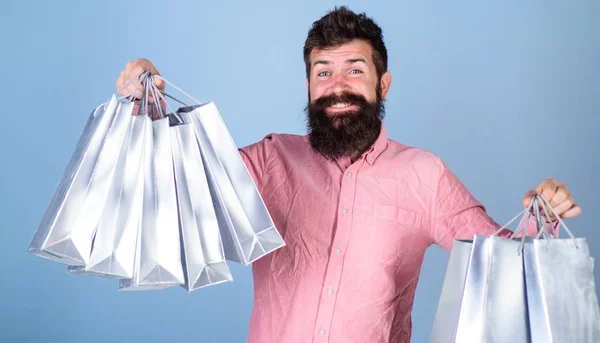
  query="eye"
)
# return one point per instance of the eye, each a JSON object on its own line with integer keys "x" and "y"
{"x": 323, "y": 73}
{"x": 355, "y": 71}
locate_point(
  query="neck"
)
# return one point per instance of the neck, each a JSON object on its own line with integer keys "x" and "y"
{"x": 354, "y": 156}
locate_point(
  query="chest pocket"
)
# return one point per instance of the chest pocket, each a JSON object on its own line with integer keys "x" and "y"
{"x": 396, "y": 236}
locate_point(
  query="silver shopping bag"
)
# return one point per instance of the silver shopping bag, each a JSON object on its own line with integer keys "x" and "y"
{"x": 561, "y": 290}
{"x": 114, "y": 243}
{"x": 483, "y": 296}
{"x": 448, "y": 309}
{"x": 203, "y": 256}
{"x": 157, "y": 262}
{"x": 247, "y": 230}
{"x": 493, "y": 307}
{"x": 68, "y": 225}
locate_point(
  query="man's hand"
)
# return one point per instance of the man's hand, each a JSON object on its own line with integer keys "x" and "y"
{"x": 559, "y": 197}
{"x": 131, "y": 70}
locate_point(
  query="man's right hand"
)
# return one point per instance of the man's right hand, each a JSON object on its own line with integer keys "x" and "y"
{"x": 131, "y": 70}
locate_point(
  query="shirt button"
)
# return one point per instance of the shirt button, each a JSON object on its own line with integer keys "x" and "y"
{"x": 330, "y": 290}
{"x": 349, "y": 175}
{"x": 370, "y": 159}
{"x": 322, "y": 332}
{"x": 338, "y": 250}
{"x": 344, "y": 210}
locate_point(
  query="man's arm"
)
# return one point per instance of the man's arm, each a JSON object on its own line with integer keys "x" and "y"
{"x": 456, "y": 214}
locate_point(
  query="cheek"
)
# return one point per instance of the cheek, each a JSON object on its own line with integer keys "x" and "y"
{"x": 366, "y": 90}
{"x": 314, "y": 91}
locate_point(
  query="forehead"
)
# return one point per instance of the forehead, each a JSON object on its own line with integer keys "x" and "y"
{"x": 353, "y": 49}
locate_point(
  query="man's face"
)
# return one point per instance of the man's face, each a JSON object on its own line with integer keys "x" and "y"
{"x": 348, "y": 68}
{"x": 345, "y": 100}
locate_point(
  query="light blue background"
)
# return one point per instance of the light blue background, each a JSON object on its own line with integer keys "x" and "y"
{"x": 506, "y": 92}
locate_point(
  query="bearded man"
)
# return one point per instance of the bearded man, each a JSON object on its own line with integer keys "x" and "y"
{"x": 356, "y": 209}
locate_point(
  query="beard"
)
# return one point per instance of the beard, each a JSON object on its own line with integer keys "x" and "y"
{"x": 349, "y": 133}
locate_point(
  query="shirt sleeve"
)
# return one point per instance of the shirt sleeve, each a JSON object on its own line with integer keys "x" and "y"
{"x": 256, "y": 158}
{"x": 456, "y": 214}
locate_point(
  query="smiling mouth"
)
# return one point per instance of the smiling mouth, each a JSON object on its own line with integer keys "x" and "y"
{"x": 340, "y": 107}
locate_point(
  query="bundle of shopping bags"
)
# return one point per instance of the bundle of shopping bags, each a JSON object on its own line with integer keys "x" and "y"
{"x": 538, "y": 288}
{"x": 155, "y": 197}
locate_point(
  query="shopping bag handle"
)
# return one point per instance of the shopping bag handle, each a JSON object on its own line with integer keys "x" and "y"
{"x": 526, "y": 213}
{"x": 151, "y": 90}
{"x": 560, "y": 221}
{"x": 542, "y": 221}
{"x": 158, "y": 95}
{"x": 179, "y": 89}
{"x": 140, "y": 77}
{"x": 545, "y": 222}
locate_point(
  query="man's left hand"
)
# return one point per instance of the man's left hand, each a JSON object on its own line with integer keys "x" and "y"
{"x": 559, "y": 197}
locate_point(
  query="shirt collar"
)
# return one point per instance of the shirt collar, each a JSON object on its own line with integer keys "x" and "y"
{"x": 377, "y": 148}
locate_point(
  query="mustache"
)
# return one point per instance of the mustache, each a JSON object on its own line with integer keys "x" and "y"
{"x": 351, "y": 133}
{"x": 344, "y": 97}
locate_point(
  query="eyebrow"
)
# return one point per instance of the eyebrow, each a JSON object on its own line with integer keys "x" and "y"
{"x": 349, "y": 61}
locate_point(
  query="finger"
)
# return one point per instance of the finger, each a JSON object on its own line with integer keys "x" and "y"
{"x": 563, "y": 207}
{"x": 133, "y": 89}
{"x": 147, "y": 65}
{"x": 559, "y": 197}
{"x": 136, "y": 71}
{"x": 549, "y": 189}
{"x": 572, "y": 212}
{"x": 144, "y": 64}
{"x": 119, "y": 86}
{"x": 159, "y": 82}
{"x": 528, "y": 198}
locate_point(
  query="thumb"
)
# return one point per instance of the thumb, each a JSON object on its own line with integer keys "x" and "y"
{"x": 528, "y": 198}
{"x": 530, "y": 195}
{"x": 159, "y": 82}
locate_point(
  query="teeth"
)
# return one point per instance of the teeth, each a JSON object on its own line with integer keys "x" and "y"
{"x": 340, "y": 105}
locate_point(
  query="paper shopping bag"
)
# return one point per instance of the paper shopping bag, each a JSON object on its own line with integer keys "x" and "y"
{"x": 114, "y": 243}
{"x": 448, "y": 309}
{"x": 68, "y": 225}
{"x": 203, "y": 256}
{"x": 561, "y": 290}
{"x": 247, "y": 230}
{"x": 493, "y": 306}
{"x": 483, "y": 296}
{"x": 158, "y": 255}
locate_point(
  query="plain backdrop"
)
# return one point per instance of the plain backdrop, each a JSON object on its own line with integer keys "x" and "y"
{"x": 506, "y": 92}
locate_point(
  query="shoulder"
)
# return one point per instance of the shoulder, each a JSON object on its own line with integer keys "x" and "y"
{"x": 278, "y": 141}
{"x": 418, "y": 158}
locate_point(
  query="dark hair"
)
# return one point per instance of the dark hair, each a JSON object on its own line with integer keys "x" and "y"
{"x": 342, "y": 26}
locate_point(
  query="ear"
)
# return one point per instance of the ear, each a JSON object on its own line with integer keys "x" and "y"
{"x": 307, "y": 84}
{"x": 386, "y": 82}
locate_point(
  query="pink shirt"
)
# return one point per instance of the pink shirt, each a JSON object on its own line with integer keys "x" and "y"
{"x": 355, "y": 238}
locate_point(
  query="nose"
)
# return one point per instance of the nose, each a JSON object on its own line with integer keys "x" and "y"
{"x": 339, "y": 84}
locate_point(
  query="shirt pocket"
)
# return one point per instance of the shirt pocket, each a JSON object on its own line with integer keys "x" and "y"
{"x": 395, "y": 235}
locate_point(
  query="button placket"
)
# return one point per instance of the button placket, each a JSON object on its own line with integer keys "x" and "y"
{"x": 334, "y": 267}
